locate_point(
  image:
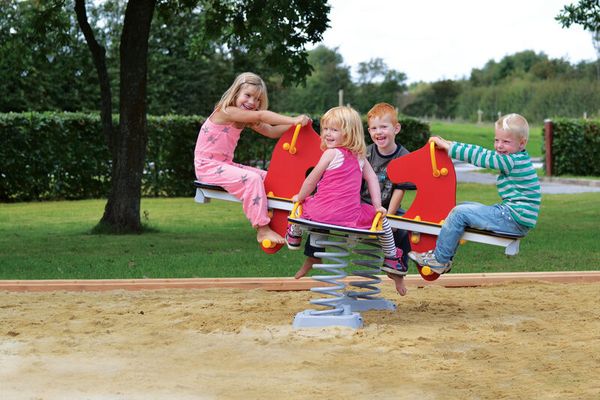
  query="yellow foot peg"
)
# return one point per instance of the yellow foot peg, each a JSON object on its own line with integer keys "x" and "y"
{"x": 268, "y": 244}
{"x": 425, "y": 270}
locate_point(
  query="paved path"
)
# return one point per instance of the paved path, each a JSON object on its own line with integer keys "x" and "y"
{"x": 469, "y": 173}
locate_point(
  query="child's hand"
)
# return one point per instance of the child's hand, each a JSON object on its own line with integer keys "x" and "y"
{"x": 440, "y": 143}
{"x": 302, "y": 120}
{"x": 295, "y": 198}
{"x": 382, "y": 210}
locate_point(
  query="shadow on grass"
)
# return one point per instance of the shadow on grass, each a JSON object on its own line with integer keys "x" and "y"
{"x": 104, "y": 228}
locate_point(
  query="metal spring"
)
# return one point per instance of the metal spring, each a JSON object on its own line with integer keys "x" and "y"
{"x": 371, "y": 249}
{"x": 335, "y": 268}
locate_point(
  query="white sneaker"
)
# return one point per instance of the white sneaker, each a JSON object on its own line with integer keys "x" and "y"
{"x": 428, "y": 259}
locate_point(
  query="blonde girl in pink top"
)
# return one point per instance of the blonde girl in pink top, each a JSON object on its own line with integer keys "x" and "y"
{"x": 244, "y": 104}
{"x": 337, "y": 177}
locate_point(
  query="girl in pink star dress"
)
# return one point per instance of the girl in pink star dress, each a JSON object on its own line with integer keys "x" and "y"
{"x": 244, "y": 104}
{"x": 337, "y": 177}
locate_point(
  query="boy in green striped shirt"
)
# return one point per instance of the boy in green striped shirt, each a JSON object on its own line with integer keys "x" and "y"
{"x": 518, "y": 186}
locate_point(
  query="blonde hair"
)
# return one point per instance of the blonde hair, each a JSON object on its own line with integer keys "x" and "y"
{"x": 380, "y": 110}
{"x": 515, "y": 124}
{"x": 347, "y": 120}
{"x": 242, "y": 81}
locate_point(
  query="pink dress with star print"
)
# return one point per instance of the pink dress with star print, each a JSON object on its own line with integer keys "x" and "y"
{"x": 213, "y": 162}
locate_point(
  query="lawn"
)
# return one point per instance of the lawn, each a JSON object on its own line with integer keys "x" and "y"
{"x": 52, "y": 240}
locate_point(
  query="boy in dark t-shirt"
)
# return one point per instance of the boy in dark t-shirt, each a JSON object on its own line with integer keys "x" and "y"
{"x": 383, "y": 128}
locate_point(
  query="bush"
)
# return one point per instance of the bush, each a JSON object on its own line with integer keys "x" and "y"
{"x": 575, "y": 147}
{"x": 51, "y": 156}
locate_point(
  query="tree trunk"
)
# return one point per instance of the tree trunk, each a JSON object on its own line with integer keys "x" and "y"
{"x": 99, "y": 57}
{"x": 122, "y": 211}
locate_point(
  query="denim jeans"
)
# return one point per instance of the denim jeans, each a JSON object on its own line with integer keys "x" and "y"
{"x": 473, "y": 215}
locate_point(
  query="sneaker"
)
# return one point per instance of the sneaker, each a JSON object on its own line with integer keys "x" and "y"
{"x": 293, "y": 241}
{"x": 394, "y": 265}
{"x": 428, "y": 259}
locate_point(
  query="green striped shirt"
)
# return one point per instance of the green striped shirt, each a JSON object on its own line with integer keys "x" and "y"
{"x": 518, "y": 184}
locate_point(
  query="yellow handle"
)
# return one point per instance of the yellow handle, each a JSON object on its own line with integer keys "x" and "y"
{"x": 296, "y": 210}
{"x": 292, "y": 147}
{"x": 436, "y": 172}
{"x": 377, "y": 222}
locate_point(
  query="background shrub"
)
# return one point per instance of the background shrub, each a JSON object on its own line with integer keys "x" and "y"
{"x": 575, "y": 147}
{"x": 51, "y": 155}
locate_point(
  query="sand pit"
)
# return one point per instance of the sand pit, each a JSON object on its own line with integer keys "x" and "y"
{"x": 511, "y": 341}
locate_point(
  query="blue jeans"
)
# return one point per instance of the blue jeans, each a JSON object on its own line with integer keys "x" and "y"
{"x": 473, "y": 215}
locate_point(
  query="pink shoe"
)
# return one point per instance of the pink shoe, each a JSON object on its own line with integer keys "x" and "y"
{"x": 293, "y": 241}
{"x": 394, "y": 265}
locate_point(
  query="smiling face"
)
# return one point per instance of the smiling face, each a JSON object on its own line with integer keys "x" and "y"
{"x": 508, "y": 142}
{"x": 383, "y": 131}
{"x": 332, "y": 136}
{"x": 248, "y": 98}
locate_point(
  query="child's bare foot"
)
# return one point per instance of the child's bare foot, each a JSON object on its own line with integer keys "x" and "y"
{"x": 399, "y": 282}
{"x": 307, "y": 266}
{"x": 264, "y": 232}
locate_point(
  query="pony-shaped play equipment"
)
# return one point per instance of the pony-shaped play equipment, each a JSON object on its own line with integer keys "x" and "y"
{"x": 429, "y": 169}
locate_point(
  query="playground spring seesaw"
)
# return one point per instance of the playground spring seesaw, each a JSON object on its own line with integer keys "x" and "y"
{"x": 429, "y": 169}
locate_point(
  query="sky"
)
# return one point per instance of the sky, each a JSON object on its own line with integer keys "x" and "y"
{"x": 432, "y": 40}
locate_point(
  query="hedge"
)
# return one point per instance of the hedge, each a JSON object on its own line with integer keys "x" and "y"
{"x": 575, "y": 147}
{"x": 53, "y": 156}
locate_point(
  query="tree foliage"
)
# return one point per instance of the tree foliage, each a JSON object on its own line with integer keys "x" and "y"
{"x": 587, "y": 14}
{"x": 377, "y": 83}
{"x": 526, "y": 82}
{"x": 320, "y": 91}
{"x": 43, "y": 60}
{"x": 274, "y": 31}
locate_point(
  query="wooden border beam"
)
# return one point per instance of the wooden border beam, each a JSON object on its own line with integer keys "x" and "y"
{"x": 288, "y": 284}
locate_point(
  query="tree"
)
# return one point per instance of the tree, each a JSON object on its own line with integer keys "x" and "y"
{"x": 273, "y": 30}
{"x": 43, "y": 60}
{"x": 320, "y": 91}
{"x": 518, "y": 65}
{"x": 587, "y": 14}
{"x": 378, "y": 83}
{"x": 438, "y": 99}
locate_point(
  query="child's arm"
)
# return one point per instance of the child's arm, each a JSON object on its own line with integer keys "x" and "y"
{"x": 395, "y": 201}
{"x": 265, "y": 122}
{"x": 310, "y": 183}
{"x": 271, "y": 131}
{"x": 482, "y": 157}
{"x": 373, "y": 184}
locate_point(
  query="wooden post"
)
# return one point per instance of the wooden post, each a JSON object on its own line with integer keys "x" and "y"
{"x": 341, "y": 97}
{"x": 479, "y": 115}
{"x": 548, "y": 135}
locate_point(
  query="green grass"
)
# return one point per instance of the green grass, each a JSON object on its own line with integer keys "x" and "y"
{"x": 482, "y": 135}
{"x": 52, "y": 240}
